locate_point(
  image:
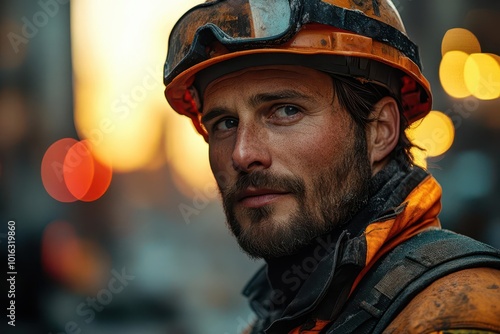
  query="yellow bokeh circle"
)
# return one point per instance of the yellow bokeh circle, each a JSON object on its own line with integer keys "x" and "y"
{"x": 482, "y": 76}
{"x": 451, "y": 74}
{"x": 459, "y": 39}
{"x": 435, "y": 133}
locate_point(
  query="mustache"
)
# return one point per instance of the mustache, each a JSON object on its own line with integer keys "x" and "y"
{"x": 264, "y": 179}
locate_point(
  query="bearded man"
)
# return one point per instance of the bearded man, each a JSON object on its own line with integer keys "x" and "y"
{"x": 304, "y": 105}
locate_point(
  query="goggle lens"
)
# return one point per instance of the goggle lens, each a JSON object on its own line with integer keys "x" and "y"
{"x": 232, "y": 21}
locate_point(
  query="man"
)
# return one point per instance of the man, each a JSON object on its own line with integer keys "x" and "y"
{"x": 304, "y": 104}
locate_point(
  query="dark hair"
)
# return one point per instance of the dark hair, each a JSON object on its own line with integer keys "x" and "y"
{"x": 359, "y": 98}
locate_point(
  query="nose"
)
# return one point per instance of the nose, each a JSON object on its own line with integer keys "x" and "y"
{"x": 251, "y": 150}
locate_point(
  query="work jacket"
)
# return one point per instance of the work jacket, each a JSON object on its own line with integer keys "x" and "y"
{"x": 305, "y": 293}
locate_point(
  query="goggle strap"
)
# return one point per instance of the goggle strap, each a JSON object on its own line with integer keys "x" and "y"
{"x": 357, "y": 22}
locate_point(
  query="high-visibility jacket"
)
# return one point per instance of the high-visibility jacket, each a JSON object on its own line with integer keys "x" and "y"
{"x": 403, "y": 207}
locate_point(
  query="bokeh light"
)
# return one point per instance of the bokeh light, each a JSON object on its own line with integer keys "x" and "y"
{"x": 434, "y": 133}
{"x": 53, "y": 170}
{"x": 103, "y": 173}
{"x": 451, "y": 74}
{"x": 464, "y": 70}
{"x": 79, "y": 264}
{"x": 482, "y": 76}
{"x": 86, "y": 177}
{"x": 71, "y": 172}
{"x": 79, "y": 169}
{"x": 58, "y": 236}
{"x": 459, "y": 39}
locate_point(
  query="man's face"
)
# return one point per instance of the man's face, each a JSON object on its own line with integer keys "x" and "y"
{"x": 289, "y": 162}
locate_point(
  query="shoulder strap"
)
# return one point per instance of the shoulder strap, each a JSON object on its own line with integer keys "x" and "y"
{"x": 403, "y": 273}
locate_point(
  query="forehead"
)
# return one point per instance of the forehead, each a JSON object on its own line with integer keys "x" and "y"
{"x": 266, "y": 78}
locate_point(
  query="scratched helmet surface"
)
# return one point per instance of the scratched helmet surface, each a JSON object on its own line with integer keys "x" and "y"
{"x": 365, "y": 39}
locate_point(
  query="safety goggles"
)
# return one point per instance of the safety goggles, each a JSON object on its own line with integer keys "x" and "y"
{"x": 249, "y": 24}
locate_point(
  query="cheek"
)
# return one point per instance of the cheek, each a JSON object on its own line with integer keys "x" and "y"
{"x": 313, "y": 151}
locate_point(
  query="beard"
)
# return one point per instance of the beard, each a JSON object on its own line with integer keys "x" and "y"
{"x": 336, "y": 195}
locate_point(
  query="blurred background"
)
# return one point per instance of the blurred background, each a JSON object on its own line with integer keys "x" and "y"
{"x": 140, "y": 246}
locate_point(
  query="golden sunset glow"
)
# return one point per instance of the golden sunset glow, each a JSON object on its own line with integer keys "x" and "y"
{"x": 187, "y": 153}
{"x": 119, "y": 48}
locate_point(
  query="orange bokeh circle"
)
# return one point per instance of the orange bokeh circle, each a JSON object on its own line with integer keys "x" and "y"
{"x": 71, "y": 172}
{"x": 52, "y": 170}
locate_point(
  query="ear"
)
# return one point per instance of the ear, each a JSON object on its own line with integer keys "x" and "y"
{"x": 383, "y": 132}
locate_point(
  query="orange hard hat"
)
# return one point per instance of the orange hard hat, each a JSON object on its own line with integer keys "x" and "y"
{"x": 365, "y": 39}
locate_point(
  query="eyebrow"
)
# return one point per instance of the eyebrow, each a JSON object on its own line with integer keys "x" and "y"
{"x": 275, "y": 96}
{"x": 213, "y": 113}
{"x": 256, "y": 100}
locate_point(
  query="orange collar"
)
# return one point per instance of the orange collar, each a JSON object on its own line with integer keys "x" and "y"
{"x": 419, "y": 212}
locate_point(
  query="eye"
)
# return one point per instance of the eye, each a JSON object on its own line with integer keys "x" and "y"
{"x": 225, "y": 124}
{"x": 286, "y": 111}
{"x": 286, "y": 114}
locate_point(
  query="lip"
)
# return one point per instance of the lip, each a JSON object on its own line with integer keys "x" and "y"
{"x": 255, "y": 198}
